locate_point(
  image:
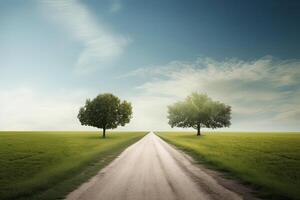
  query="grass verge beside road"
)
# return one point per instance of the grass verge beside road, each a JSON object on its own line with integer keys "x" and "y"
{"x": 268, "y": 161}
{"x": 48, "y": 165}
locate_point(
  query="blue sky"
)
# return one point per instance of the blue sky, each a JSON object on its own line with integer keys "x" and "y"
{"x": 56, "y": 53}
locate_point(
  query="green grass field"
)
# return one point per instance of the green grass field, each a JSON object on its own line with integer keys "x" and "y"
{"x": 269, "y": 161}
{"x": 48, "y": 165}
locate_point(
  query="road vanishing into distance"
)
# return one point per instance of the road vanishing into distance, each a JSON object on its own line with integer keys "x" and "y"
{"x": 151, "y": 169}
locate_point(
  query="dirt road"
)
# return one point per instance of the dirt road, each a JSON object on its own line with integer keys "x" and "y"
{"x": 151, "y": 169}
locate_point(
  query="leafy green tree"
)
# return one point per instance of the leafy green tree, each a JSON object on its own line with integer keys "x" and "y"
{"x": 197, "y": 111}
{"x": 106, "y": 111}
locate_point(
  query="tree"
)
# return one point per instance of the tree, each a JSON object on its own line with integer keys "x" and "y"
{"x": 106, "y": 111}
{"x": 197, "y": 111}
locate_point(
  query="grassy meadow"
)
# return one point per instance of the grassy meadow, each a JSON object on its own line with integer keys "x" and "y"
{"x": 48, "y": 165}
{"x": 270, "y": 162}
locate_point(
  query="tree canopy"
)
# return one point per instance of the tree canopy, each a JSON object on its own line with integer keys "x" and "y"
{"x": 106, "y": 111}
{"x": 197, "y": 111}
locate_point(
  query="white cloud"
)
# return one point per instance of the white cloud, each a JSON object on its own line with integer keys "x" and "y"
{"x": 264, "y": 93}
{"x": 100, "y": 45}
{"x": 32, "y": 109}
{"x": 116, "y": 6}
{"x": 28, "y": 109}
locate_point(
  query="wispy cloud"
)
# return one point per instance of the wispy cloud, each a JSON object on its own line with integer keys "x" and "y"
{"x": 100, "y": 45}
{"x": 116, "y": 6}
{"x": 25, "y": 108}
{"x": 264, "y": 93}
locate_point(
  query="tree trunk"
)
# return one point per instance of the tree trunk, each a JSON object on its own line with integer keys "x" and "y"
{"x": 198, "y": 130}
{"x": 104, "y": 129}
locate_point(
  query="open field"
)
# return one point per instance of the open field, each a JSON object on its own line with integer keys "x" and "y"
{"x": 269, "y": 161}
{"x": 48, "y": 165}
